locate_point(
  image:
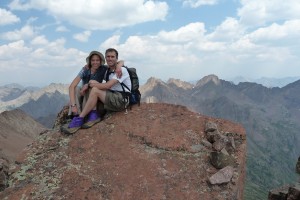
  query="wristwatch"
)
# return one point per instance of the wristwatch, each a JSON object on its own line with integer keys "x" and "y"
{"x": 73, "y": 105}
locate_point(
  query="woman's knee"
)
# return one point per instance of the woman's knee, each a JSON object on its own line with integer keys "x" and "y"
{"x": 94, "y": 91}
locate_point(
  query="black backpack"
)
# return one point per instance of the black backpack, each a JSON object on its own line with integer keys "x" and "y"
{"x": 135, "y": 97}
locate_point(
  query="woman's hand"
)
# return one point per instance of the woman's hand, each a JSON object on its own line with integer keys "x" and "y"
{"x": 118, "y": 72}
{"x": 84, "y": 89}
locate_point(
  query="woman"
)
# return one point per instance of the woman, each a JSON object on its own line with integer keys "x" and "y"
{"x": 94, "y": 70}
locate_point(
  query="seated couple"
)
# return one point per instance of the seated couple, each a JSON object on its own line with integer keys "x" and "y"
{"x": 109, "y": 95}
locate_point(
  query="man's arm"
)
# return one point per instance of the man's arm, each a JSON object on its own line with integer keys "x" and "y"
{"x": 103, "y": 86}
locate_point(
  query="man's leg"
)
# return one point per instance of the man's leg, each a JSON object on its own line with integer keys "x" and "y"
{"x": 114, "y": 101}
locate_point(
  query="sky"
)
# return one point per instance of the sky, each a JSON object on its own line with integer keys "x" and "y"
{"x": 47, "y": 41}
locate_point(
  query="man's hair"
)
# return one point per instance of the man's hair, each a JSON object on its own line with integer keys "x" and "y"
{"x": 112, "y": 50}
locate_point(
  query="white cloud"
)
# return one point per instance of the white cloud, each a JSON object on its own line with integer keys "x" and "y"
{"x": 261, "y": 12}
{"x": 189, "y": 53}
{"x": 7, "y": 17}
{"x": 228, "y": 30}
{"x": 253, "y": 45}
{"x": 289, "y": 30}
{"x": 184, "y": 34}
{"x": 9, "y": 52}
{"x": 61, "y": 29}
{"x": 198, "y": 3}
{"x": 99, "y": 14}
{"x": 82, "y": 37}
{"x": 17, "y": 5}
{"x": 25, "y": 32}
{"x": 43, "y": 63}
{"x": 110, "y": 42}
{"x": 39, "y": 40}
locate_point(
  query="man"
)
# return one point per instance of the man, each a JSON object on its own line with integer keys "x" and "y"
{"x": 112, "y": 94}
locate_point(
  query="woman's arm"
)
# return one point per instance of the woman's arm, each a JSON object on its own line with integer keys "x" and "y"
{"x": 118, "y": 70}
{"x": 72, "y": 95}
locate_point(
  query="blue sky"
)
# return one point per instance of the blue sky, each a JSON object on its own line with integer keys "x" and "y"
{"x": 47, "y": 41}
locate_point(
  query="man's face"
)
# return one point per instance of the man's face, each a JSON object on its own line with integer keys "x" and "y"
{"x": 111, "y": 59}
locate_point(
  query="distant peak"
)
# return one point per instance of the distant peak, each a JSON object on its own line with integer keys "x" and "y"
{"x": 153, "y": 80}
{"x": 179, "y": 83}
{"x": 62, "y": 88}
{"x": 210, "y": 78}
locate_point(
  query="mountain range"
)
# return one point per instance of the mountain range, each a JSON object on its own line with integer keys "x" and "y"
{"x": 42, "y": 104}
{"x": 270, "y": 116}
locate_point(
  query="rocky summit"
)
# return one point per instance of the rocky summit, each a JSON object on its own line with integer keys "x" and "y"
{"x": 156, "y": 151}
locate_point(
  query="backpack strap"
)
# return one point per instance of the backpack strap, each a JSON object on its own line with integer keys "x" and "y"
{"x": 123, "y": 85}
{"x": 107, "y": 73}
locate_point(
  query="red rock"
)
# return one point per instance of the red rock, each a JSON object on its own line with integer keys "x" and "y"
{"x": 146, "y": 154}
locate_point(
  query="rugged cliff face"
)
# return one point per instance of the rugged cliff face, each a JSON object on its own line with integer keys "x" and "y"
{"x": 156, "y": 151}
{"x": 17, "y": 130}
{"x": 269, "y": 115}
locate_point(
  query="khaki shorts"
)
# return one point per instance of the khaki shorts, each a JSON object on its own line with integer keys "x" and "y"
{"x": 114, "y": 101}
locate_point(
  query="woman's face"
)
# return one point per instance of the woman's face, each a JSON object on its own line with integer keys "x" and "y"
{"x": 95, "y": 61}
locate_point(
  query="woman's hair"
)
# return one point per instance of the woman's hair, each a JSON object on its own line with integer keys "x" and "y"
{"x": 112, "y": 50}
{"x": 89, "y": 58}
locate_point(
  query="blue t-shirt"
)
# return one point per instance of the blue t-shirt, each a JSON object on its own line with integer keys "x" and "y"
{"x": 86, "y": 75}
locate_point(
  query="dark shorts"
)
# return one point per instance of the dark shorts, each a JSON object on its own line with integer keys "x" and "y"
{"x": 114, "y": 101}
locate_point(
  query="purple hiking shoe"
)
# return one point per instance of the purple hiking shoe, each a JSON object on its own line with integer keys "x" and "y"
{"x": 92, "y": 119}
{"x": 74, "y": 125}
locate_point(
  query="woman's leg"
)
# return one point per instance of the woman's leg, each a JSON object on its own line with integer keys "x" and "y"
{"x": 91, "y": 103}
{"x": 78, "y": 122}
